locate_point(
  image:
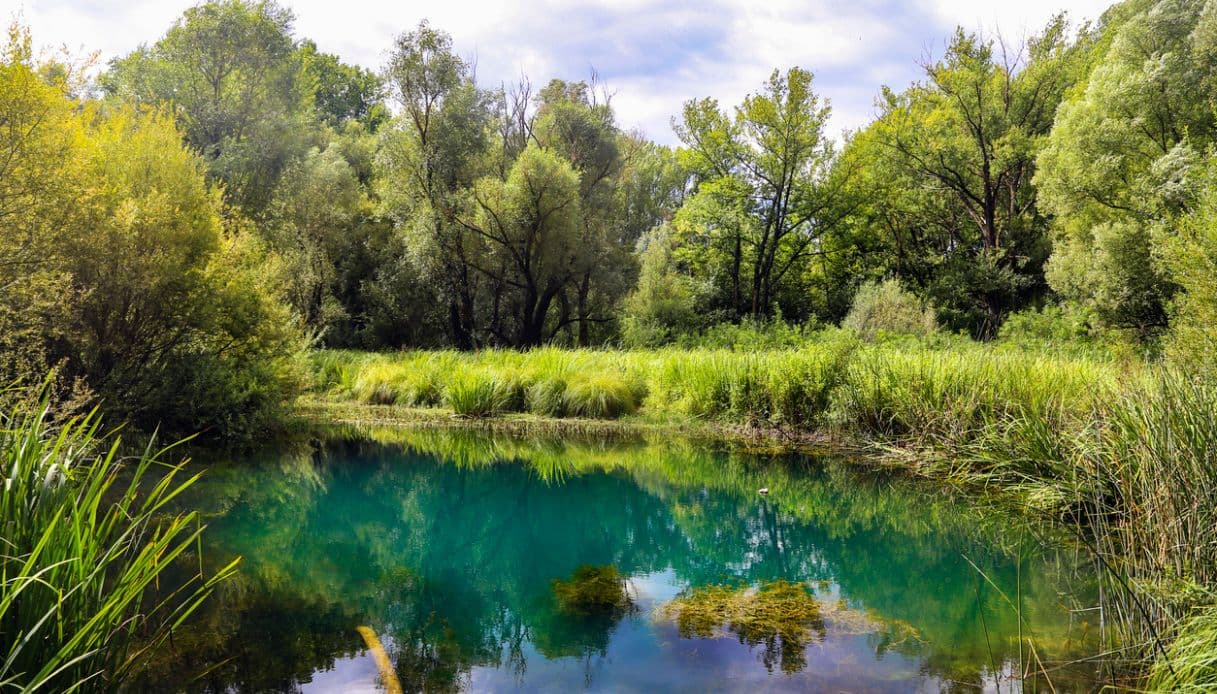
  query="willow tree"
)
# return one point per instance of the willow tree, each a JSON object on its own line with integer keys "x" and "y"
{"x": 431, "y": 156}
{"x": 1119, "y": 167}
{"x": 530, "y": 231}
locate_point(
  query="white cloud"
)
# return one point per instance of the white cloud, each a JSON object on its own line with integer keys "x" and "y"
{"x": 653, "y": 55}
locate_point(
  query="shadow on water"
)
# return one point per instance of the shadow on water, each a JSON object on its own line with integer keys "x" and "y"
{"x": 462, "y": 550}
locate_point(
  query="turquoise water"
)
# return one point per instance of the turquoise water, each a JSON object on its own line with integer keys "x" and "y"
{"x": 447, "y": 545}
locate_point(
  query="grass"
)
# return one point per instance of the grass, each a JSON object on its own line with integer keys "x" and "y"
{"x": 84, "y": 537}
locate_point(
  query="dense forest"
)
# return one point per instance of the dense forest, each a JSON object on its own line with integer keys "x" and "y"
{"x": 183, "y": 223}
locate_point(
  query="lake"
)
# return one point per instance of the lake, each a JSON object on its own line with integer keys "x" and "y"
{"x": 451, "y": 547}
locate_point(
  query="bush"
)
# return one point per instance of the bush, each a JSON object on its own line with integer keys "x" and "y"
{"x": 887, "y": 308}
{"x": 142, "y": 285}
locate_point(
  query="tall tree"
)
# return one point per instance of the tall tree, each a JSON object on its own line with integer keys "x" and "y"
{"x": 1118, "y": 166}
{"x": 965, "y": 142}
{"x": 230, "y": 71}
{"x": 530, "y": 227}
{"x": 431, "y": 155}
{"x": 763, "y": 200}
{"x": 572, "y": 123}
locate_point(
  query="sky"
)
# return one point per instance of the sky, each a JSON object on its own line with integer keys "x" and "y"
{"x": 651, "y": 56}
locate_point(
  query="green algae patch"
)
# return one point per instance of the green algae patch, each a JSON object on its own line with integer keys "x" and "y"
{"x": 781, "y": 617}
{"x": 593, "y": 590}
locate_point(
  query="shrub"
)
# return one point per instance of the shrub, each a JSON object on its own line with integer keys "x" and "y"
{"x": 887, "y": 308}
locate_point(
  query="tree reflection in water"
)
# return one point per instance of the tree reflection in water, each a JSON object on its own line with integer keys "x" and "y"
{"x": 448, "y": 544}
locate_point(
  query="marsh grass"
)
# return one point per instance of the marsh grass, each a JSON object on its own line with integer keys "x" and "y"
{"x": 85, "y": 536}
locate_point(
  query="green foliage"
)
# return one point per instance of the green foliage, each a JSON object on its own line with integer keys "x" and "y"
{"x": 1190, "y": 256}
{"x": 245, "y": 114}
{"x": 192, "y": 332}
{"x": 888, "y": 308}
{"x": 39, "y": 177}
{"x": 764, "y": 195}
{"x": 944, "y": 192}
{"x": 662, "y": 306}
{"x": 81, "y": 606}
{"x": 750, "y": 335}
{"x": 529, "y": 226}
{"x": 1118, "y": 167}
{"x": 342, "y": 93}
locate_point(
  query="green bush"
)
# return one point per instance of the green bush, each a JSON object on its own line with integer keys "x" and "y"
{"x": 887, "y": 308}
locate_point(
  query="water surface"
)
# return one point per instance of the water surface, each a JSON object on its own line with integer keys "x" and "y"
{"x": 447, "y": 545}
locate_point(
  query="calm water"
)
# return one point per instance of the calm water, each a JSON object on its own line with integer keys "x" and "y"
{"x": 447, "y": 545}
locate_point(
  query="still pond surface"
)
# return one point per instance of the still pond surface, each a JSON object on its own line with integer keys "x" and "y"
{"x": 449, "y": 546}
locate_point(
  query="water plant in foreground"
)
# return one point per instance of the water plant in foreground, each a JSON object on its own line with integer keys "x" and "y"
{"x": 84, "y": 537}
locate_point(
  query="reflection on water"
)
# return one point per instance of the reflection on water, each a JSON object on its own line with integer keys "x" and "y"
{"x": 456, "y": 547}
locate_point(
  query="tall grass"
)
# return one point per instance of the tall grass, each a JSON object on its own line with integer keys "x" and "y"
{"x": 84, "y": 536}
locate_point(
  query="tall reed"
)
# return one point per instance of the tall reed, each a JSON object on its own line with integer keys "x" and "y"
{"x": 84, "y": 536}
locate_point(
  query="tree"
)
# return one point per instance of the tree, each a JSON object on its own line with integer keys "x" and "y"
{"x": 1118, "y": 166}
{"x": 1190, "y": 258}
{"x": 572, "y": 123}
{"x": 316, "y": 210}
{"x": 177, "y": 319}
{"x": 763, "y": 199}
{"x": 431, "y": 155}
{"x": 341, "y": 92}
{"x": 530, "y": 230}
{"x": 950, "y": 163}
{"x": 123, "y": 269}
{"x": 231, "y": 74}
{"x": 40, "y": 172}
{"x": 662, "y": 307}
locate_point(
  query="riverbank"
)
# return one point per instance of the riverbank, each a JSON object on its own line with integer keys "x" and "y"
{"x": 1121, "y": 451}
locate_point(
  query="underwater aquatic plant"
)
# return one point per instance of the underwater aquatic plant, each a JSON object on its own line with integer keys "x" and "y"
{"x": 781, "y": 617}
{"x": 593, "y": 590}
